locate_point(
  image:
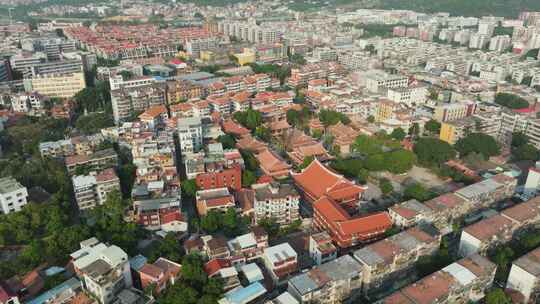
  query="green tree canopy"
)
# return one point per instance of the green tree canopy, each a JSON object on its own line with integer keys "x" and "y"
{"x": 386, "y": 186}
{"x": 248, "y": 178}
{"x": 511, "y": 101}
{"x": 250, "y": 118}
{"x": 525, "y": 152}
{"x": 367, "y": 145}
{"x": 433, "y": 151}
{"x": 362, "y": 176}
{"x": 479, "y": 143}
{"x": 228, "y": 141}
{"x": 433, "y": 126}
{"x": 418, "y": 192}
{"x": 399, "y": 161}
{"x": 94, "y": 122}
{"x": 398, "y": 134}
{"x": 519, "y": 139}
{"x": 189, "y": 187}
{"x": 329, "y": 118}
{"x": 497, "y": 296}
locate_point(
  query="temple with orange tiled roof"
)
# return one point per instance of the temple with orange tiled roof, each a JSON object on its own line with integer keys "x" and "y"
{"x": 347, "y": 231}
{"x": 344, "y": 136}
{"x": 273, "y": 165}
{"x": 315, "y": 150}
{"x": 317, "y": 181}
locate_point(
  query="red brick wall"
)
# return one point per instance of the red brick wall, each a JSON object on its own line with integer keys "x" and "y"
{"x": 231, "y": 178}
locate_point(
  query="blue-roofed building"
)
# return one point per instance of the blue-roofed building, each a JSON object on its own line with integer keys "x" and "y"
{"x": 72, "y": 283}
{"x": 137, "y": 262}
{"x": 244, "y": 295}
{"x": 54, "y": 270}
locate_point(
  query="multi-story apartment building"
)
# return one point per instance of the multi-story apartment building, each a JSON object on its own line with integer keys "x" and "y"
{"x": 281, "y": 261}
{"x": 194, "y": 47}
{"x": 128, "y": 101}
{"x": 524, "y": 276}
{"x": 302, "y": 75}
{"x": 458, "y": 283}
{"x": 498, "y": 229}
{"x": 23, "y": 61}
{"x": 5, "y": 70}
{"x": 54, "y": 67}
{"x": 411, "y": 96}
{"x": 56, "y": 85}
{"x": 512, "y": 122}
{"x": 454, "y": 111}
{"x": 52, "y": 47}
{"x": 104, "y": 270}
{"x": 97, "y": 161}
{"x": 220, "y": 104}
{"x": 33, "y": 103}
{"x": 500, "y": 43}
{"x": 325, "y": 54}
{"x": 377, "y": 80}
{"x": 276, "y": 201}
{"x": 13, "y": 195}
{"x": 248, "y": 31}
{"x": 92, "y": 190}
{"x": 337, "y": 281}
{"x": 190, "y": 133}
{"x": 117, "y": 81}
{"x": 394, "y": 257}
{"x": 182, "y": 90}
{"x": 82, "y": 145}
{"x": 489, "y": 123}
{"x": 452, "y": 131}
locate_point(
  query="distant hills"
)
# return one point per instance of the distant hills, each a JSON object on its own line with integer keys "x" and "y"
{"x": 504, "y": 8}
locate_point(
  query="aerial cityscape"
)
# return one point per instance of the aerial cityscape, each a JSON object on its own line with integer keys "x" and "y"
{"x": 269, "y": 152}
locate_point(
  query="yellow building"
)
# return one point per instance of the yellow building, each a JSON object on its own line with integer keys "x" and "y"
{"x": 453, "y": 131}
{"x": 207, "y": 56}
{"x": 247, "y": 57}
{"x": 56, "y": 85}
{"x": 385, "y": 110}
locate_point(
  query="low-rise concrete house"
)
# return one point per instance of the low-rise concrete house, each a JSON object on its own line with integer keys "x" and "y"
{"x": 331, "y": 283}
{"x": 281, "y": 261}
{"x": 458, "y": 283}
{"x": 524, "y": 276}
{"x": 498, "y": 229}
{"x": 321, "y": 248}
{"x": 392, "y": 258}
{"x": 410, "y": 213}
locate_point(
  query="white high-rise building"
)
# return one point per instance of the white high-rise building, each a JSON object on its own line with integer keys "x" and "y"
{"x": 500, "y": 43}
{"x": 486, "y": 28}
{"x": 478, "y": 41}
{"x": 190, "y": 134}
